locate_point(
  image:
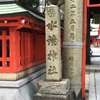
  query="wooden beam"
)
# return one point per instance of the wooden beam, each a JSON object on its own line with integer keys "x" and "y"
{"x": 93, "y": 5}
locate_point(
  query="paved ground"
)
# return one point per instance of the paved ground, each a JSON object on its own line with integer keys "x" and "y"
{"x": 87, "y": 86}
{"x": 96, "y": 50}
{"x": 93, "y": 76}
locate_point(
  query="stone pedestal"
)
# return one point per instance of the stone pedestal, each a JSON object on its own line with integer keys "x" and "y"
{"x": 51, "y": 97}
{"x": 57, "y": 88}
{"x": 69, "y": 96}
{"x": 55, "y": 91}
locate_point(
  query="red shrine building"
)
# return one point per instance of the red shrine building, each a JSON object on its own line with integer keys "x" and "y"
{"x": 22, "y": 40}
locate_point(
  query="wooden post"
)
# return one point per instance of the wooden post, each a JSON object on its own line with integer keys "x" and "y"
{"x": 84, "y": 49}
{"x": 12, "y": 49}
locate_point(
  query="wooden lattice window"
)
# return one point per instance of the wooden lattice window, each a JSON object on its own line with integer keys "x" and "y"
{"x": 4, "y": 48}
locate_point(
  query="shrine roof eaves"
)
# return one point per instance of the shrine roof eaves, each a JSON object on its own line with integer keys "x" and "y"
{"x": 6, "y": 0}
{"x": 13, "y": 8}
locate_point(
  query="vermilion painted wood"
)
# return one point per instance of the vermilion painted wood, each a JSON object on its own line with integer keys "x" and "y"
{"x": 12, "y": 49}
{"x": 84, "y": 48}
{"x": 35, "y": 40}
{"x": 88, "y": 2}
{"x": 29, "y": 46}
{"x": 18, "y": 48}
{"x": 18, "y": 60}
{"x": 3, "y": 48}
{"x": 93, "y": 5}
{"x": 17, "y": 21}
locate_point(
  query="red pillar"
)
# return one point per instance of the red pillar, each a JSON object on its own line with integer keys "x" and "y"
{"x": 84, "y": 49}
{"x": 12, "y": 49}
{"x": 4, "y": 48}
{"x": 18, "y": 48}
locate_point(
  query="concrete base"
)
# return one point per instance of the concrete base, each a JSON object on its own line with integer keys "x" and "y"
{"x": 70, "y": 96}
{"x": 23, "y": 89}
{"x": 22, "y": 74}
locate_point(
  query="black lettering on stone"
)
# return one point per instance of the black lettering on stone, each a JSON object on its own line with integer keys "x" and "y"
{"x": 52, "y": 55}
{"x": 72, "y": 21}
{"x": 72, "y": 0}
{"x": 71, "y": 59}
{"x": 52, "y": 40}
{"x": 72, "y": 13}
{"x": 72, "y": 27}
{"x": 72, "y": 6}
{"x": 51, "y": 12}
{"x": 71, "y": 63}
{"x": 52, "y": 70}
{"x": 52, "y": 25}
{"x": 72, "y": 36}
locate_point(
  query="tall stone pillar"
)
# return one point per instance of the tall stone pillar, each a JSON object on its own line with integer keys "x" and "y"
{"x": 72, "y": 45}
{"x": 53, "y": 45}
{"x": 54, "y": 87}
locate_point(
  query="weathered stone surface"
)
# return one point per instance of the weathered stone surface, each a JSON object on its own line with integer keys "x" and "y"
{"x": 70, "y": 96}
{"x": 53, "y": 43}
{"x": 19, "y": 75}
{"x": 21, "y": 82}
{"x": 24, "y": 91}
{"x": 51, "y": 97}
{"x": 73, "y": 21}
{"x": 72, "y": 51}
{"x": 61, "y": 87}
{"x": 73, "y": 60}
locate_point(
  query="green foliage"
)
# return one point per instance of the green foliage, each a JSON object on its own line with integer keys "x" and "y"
{"x": 52, "y": 2}
{"x": 30, "y": 2}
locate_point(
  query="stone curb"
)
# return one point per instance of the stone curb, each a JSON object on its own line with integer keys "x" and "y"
{"x": 92, "y": 70}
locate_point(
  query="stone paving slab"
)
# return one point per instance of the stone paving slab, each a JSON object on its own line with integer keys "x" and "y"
{"x": 93, "y": 68}
{"x": 92, "y": 90}
{"x": 94, "y": 86}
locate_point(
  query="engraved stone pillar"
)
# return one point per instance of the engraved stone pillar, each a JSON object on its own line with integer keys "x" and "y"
{"x": 54, "y": 87}
{"x": 72, "y": 46}
{"x": 53, "y": 45}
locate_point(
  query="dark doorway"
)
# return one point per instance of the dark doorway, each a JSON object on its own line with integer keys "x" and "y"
{"x": 94, "y": 1}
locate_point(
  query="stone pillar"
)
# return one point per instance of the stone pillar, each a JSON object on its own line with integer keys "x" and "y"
{"x": 72, "y": 45}
{"x": 54, "y": 87}
{"x": 53, "y": 44}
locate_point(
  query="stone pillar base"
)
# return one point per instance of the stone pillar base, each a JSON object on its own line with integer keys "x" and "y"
{"x": 54, "y": 87}
{"x": 70, "y": 96}
{"x": 49, "y": 90}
